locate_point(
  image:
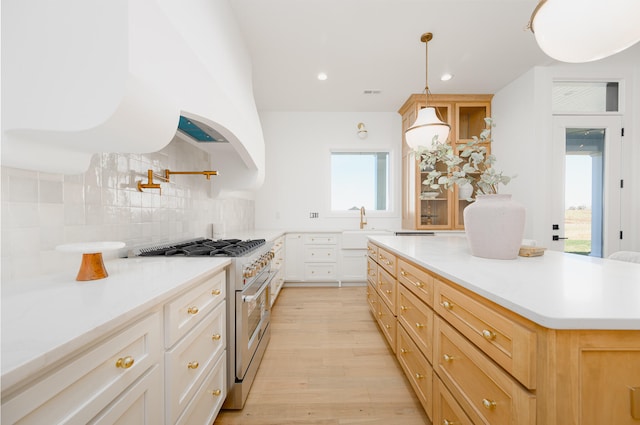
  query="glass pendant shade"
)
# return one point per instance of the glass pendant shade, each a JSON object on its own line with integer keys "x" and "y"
{"x": 583, "y": 31}
{"x": 427, "y": 131}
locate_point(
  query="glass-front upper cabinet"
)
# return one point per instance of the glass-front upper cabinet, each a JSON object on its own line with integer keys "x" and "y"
{"x": 422, "y": 207}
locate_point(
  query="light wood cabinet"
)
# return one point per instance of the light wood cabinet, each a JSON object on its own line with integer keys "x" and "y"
{"x": 465, "y": 114}
{"x": 492, "y": 366}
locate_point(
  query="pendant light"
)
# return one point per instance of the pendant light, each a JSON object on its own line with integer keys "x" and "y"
{"x": 428, "y": 130}
{"x": 584, "y": 31}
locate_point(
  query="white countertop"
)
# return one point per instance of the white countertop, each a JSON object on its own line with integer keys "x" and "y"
{"x": 46, "y": 318}
{"x": 556, "y": 290}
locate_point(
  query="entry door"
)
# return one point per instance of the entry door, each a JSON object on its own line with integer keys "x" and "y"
{"x": 586, "y": 185}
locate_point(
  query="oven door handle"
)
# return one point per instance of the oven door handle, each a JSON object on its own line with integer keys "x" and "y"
{"x": 251, "y": 298}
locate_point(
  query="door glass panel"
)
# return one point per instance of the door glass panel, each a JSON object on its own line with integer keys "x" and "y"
{"x": 584, "y": 171}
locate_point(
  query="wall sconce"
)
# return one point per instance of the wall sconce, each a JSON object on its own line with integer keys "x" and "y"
{"x": 362, "y": 132}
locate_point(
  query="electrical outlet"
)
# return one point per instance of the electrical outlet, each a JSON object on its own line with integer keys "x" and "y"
{"x": 313, "y": 215}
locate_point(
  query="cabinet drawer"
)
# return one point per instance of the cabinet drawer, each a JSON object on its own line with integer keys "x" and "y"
{"x": 315, "y": 254}
{"x": 417, "y": 319}
{"x": 372, "y": 250}
{"x": 185, "y": 311}
{"x": 372, "y": 270}
{"x": 327, "y": 239}
{"x": 208, "y": 400}
{"x": 416, "y": 280}
{"x": 372, "y": 298}
{"x": 90, "y": 381}
{"x": 387, "y": 322}
{"x": 138, "y": 404}
{"x": 486, "y": 393}
{"x": 387, "y": 289}
{"x": 189, "y": 361}
{"x": 446, "y": 409}
{"x": 509, "y": 344}
{"x": 387, "y": 260}
{"x": 278, "y": 243}
{"x": 417, "y": 369}
{"x": 322, "y": 272}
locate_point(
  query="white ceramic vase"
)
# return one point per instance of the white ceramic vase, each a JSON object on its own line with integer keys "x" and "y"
{"x": 494, "y": 225}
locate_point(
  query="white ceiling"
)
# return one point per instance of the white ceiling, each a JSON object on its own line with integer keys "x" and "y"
{"x": 375, "y": 45}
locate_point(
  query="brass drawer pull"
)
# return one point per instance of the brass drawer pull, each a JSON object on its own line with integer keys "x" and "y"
{"x": 215, "y": 292}
{"x": 488, "y": 335}
{"x": 488, "y": 404}
{"x": 447, "y": 358}
{"x": 404, "y": 308}
{"x": 387, "y": 326}
{"x": 216, "y": 337}
{"x": 418, "y": 284}
{"x": 125, "y": 362}
{"x": 388, "y": 291}
{"x": 419, "y": 325}
{"x": 404, "y": 351}
{"x": 446, "y": 304}
{"x": 193, "y": 310}
{"x": 216, "y": 393}
{"x": 403, "y": 273}
{"x": 193, "y": 365}
{"x": 446, "y": 422}
{"x": 419, "y": 376}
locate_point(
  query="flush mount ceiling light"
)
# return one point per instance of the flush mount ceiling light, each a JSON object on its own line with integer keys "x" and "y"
{"x": 446, "y": 77}
{"x": 584, "y": 31}
{"x": 362, "y": 132}
{"x": 428, "y": 130}
{"x": 322, "y": 76}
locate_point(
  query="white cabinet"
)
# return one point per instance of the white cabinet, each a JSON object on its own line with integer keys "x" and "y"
{"x": 196, "y": 348}
{"x": 117, "y": 378}
{"x": 353, "y": 265}
{"x": 278, "y": 266}
{"x": 312, "y": 257}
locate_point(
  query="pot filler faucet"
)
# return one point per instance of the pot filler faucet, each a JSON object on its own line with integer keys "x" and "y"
{"x": 363, "y": 218}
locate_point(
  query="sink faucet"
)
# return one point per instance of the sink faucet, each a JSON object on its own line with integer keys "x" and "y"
{"x": 363, "y": 218}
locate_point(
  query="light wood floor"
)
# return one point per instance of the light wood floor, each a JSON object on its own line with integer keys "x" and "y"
{"x": 327, "y": 364}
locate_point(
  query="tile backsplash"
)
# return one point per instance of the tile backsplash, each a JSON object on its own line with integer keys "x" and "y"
{"x": 41, "y": 210}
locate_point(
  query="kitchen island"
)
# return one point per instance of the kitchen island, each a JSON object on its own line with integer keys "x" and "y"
{"x": 537, "y": 340}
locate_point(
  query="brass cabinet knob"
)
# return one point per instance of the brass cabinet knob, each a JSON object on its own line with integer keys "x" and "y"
{"x": 193, "y": 310}
{"x": 387, "y": 326}
{"x": 388, "y": 291}
{"x": 419, "y": 376}
{"x": 419, "y": 325}
{"x": 404, "y": 351}
{"x": 487, "y": 334}
{"x": 404, "y": 308}
{"x": 193, "y": 365}
{"x": 447, "y": 357}
{"x": 403, "y": 273}
{"x": 216, "y": 337}
{"x": 488, "y": 404}
{"x": 125, "y": 362}
{"x": 215, "y": 292}
{"x": 216, "y": 393}
{"x": 447, "y": 422}
{"x": 418, "y": 284}
{"x": 447, "y": 305}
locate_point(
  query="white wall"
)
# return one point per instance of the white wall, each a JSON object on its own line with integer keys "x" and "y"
{"x": 523, "y": 139}
{"x": 297, "y": 181}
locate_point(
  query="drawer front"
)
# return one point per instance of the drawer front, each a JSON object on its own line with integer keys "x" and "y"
{"x": 416, "y": 280}
{"x": 185, "y": 311}
{"x": 417, "y": 369}
{"x": 326, "y": 239}
{"x": 207, "y": 402}
{"x": 486, "y": 393}
{"x": 91, "y": 381}
{"x": 509, "y": 344}
{"x": 372, "y": 298}
{"x": 278, "y": 243}
{"x": 387, "y": 260}
{"x": 189, "y": 362}
{"x": 315, "y": 254}
{"x": 138, "y": 404}
{"x": 387, "y": 289}
{"x": 446, "y": 410}
{"x": 417, "y": 319}
{"x": 387, "y": 322}
{"x": 372, "y": 270}
{"x": 372, "y": 250}
{"x": 321, "y": 272}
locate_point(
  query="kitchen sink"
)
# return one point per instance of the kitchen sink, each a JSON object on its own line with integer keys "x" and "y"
{"x": 357, "y": 239}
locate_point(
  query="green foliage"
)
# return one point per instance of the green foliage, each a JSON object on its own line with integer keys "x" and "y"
{"x": 472, "y": 166}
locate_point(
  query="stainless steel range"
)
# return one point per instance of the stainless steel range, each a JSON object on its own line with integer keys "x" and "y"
{"x": 248, "y": 304}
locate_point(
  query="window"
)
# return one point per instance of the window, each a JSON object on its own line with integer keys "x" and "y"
{"x": 359, "y": 179}
{"x": 585, "y": 96}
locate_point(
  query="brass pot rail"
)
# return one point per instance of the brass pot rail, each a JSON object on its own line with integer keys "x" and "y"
{"x": 167, "y": 173}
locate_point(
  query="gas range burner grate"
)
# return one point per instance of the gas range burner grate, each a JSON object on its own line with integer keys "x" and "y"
{"x": 204, "y": 247}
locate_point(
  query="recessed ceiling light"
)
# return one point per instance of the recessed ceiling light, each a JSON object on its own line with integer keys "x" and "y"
{"x": 322, "y": 76}
{"x": 446, "y": 77}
